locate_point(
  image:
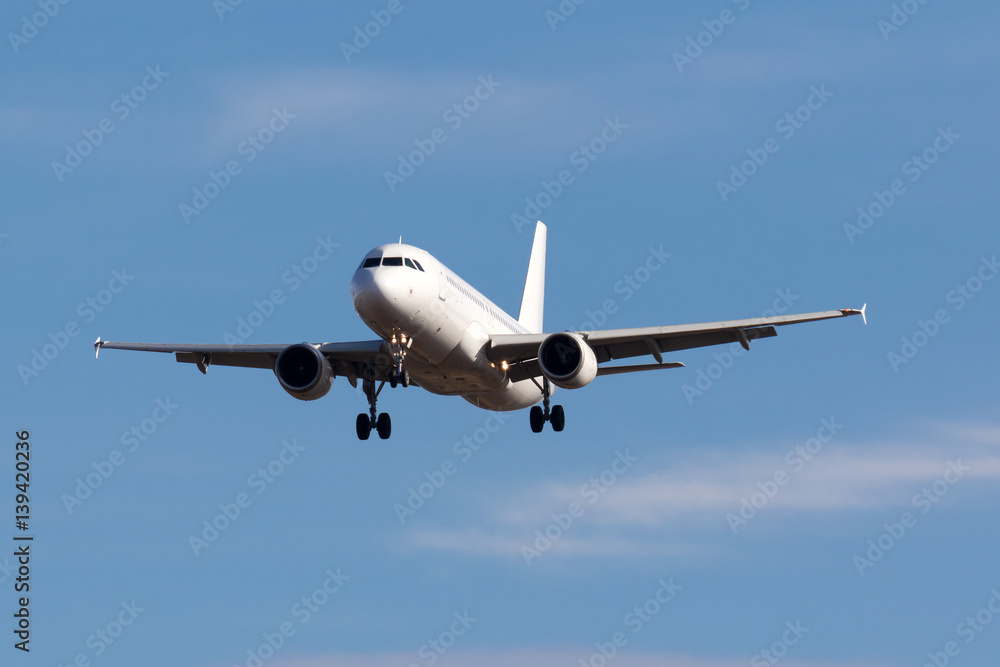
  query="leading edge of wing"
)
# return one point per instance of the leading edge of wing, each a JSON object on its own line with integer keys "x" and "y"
{"x": 335, "y": 349}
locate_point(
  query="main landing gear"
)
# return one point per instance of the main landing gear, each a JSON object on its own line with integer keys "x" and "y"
{"x": 541, "y": 414}
{"x": 366, "y": 422}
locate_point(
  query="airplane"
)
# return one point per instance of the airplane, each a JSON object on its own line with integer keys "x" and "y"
{"x": 437, "y": 332}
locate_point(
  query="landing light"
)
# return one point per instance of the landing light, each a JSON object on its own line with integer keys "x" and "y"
{"x": 503, "y": 365}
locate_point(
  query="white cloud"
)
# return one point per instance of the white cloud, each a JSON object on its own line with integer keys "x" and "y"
{"x": 679, "y": 509}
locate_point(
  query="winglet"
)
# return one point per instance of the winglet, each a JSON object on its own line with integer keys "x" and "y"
{"x": 855, "y": 311}
{"x": 97, "y": 347}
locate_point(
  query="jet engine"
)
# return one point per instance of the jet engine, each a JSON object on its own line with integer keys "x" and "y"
{"x": 567, "y": 360}
{"x": 304, "y": 372}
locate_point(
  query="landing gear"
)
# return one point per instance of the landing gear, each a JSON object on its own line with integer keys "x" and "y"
{"x": 558, "y": 418}
{"x": 399, "y": 377}
{"x": 366, "y": 422}
{"x": 398, "y": 344}
{"x": 541, "y": 414}
{"x": 364, "y": 426}
{"x": 383, "y": 425}
{"x": 537, "y": 419}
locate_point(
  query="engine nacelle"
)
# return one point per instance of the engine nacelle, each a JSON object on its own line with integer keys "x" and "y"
{"x": 304, "y": 372}
{"x": 567, "y": 360}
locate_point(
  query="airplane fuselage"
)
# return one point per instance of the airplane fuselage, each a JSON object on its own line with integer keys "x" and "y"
{"x": 401, "y": 290}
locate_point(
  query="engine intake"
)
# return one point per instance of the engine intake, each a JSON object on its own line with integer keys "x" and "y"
{"x": 304, "y": 372}
{"x": 567, "y": 360}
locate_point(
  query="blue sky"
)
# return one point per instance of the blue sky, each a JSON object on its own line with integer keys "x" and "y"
{"x": 867, "y": 457}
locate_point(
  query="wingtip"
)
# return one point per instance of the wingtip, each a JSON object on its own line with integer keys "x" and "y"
{"x": 855, "y": 311}
{"x": 97, "y": 348}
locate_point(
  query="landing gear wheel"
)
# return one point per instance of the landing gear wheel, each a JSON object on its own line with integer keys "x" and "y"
{"x": 558, "y": 418}
{"x": 393, "y": 379}
{"x": 537, "y": 419}
{"x": 364, "y": 426}
{"x": 404, "y": 378}
{"x": 383, "y": 426}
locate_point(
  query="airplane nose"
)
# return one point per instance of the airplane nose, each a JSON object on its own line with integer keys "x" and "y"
{"x": 362, "y": 287}
{"x": 376, "y": 288}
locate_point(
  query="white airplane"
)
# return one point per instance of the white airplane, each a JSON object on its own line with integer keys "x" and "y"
{"x": 438, "y": 332}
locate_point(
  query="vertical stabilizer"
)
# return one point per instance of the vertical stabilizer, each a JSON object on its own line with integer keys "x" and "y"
{"x": 533, "y": 297}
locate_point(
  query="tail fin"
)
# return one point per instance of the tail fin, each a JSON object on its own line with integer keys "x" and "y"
{"x": 533, "y": 297}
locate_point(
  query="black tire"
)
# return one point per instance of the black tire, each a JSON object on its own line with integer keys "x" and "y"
{"x": 364, "y": 426}
{"x": 558, "y": 418}
{"x": 393, "y": 379}
{"x": 537, "y": 419}
{"x": 404, "y": 378}
{"x": 384, "y": 426}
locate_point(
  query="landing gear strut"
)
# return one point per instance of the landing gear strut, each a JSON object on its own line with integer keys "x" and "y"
{"x": 366, "y": 422}
{"x": 541, "y": 414}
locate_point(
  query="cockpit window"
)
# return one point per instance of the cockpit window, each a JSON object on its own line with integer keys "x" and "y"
{"x": 392, "y": 261}
{"x": 370, "y": 262}
{"x": 409, "y": 263}
{"x": 419, "y": 268}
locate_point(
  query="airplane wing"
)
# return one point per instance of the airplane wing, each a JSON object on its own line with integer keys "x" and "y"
{"x": 520, "y": 351}
{"x": 347, "y": 359}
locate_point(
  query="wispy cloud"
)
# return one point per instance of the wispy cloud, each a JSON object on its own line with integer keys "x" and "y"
{"x": 682, "y": 508}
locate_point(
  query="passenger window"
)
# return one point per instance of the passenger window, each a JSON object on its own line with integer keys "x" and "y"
{"x": 409, "y": 263}
{"x": 392, "y": 261}
{"x": 370, "y": 262}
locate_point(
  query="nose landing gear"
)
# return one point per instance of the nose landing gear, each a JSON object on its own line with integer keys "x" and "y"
{"x": 398, "y": 345}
